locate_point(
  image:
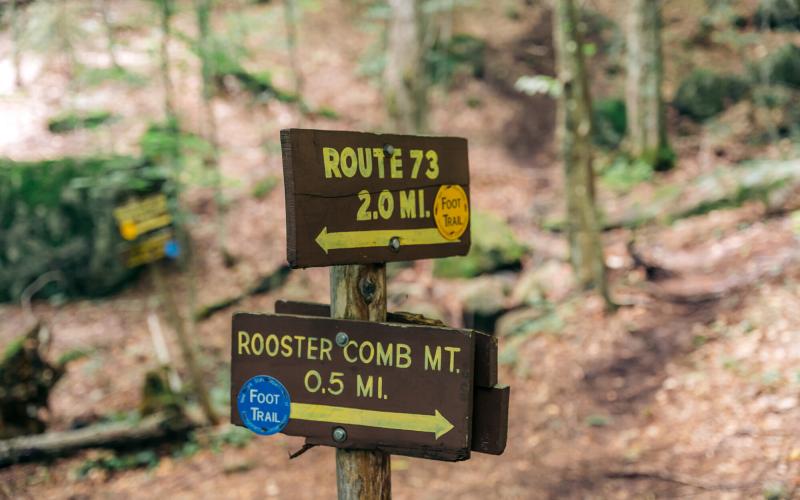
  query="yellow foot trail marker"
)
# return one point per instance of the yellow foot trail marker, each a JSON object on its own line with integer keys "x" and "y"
{"x": 436, "y": 423}
{"x": 379, "y": 238}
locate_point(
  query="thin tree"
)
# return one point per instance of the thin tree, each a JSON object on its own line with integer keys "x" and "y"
{"x": 16, "y": 36}
{"x": 203, "y": 11}
{"x": 166, "y": 8}
{"x": 185, "y": 336}
{"x": 111, "y": 41}
{"x": 290, "y": 21}
{"x": 647, "y": 134}
{"x": 575, "y": 134}
{"x": 405, "y": 83}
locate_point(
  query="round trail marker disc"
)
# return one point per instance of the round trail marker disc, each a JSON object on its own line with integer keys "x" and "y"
{"x": 264, "y": 405}
{"x": 451, "y": 211}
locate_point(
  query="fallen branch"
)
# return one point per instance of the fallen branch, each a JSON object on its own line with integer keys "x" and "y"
{"x": 154, "y": 428}
{"x": 263, "y": 285}
{"x": 692, "y": 483}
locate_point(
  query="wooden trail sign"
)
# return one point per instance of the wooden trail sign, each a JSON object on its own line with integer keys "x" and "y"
{"x": 404, "y": 389}
{"x": 144, "y": 222}
{"x": 489, "y": 401}
{"x": 359, "y": 198}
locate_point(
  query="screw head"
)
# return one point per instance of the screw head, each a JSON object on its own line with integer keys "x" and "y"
{"x": 339, "y": 434}
{"x": 394, "y": 244}
{"x": 388, "y": 149}
{"x": 342, "y": 339}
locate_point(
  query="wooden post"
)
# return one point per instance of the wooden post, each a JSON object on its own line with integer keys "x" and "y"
{"x": 186, "y": 344}
{"x": 359, "y": 292}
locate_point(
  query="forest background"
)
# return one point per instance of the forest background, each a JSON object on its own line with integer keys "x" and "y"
{"x": 635, "y": 190}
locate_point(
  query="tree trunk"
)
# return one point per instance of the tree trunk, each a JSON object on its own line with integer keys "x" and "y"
{"x": 647, "y": 134}
{"x": 290, "y": 20}
{"x": 111, "y": 42}
{"x": 186, "y": 343}
{"x": 16, "y": 35}
{"x": 359, "y": 292}
{"x": 203, "y": 11}
{"x": 166, "y": 8}
{"x": 405, "y": 81}
{"x": 575, "y": 130}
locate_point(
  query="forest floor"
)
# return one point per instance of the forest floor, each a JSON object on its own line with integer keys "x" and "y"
{"x": 691, "y": 389}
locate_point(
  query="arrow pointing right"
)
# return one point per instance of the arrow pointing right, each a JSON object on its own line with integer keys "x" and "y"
{"x": 436, "y": 423}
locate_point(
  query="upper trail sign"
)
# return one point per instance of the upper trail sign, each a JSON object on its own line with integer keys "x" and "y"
{"x": 360, "y": 198}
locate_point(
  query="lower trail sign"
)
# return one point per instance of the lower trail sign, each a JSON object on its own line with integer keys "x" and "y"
{"x": 404, "y": 389}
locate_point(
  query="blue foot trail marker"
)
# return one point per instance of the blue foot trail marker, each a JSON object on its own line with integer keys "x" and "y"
{"x": 264, "y": 405}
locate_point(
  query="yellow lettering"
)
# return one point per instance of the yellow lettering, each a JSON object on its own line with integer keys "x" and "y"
{"x": 396, "y": 164}
{"x": 330, "y": 158}
{"x": 408, "y": 205}
{"x": 272, "y": 345}
{"x": 402, "y": 356}
{"x": 345, "y": 352}
{"x": 364, "y": 388}
{"x": 299, "y": 339}
{"x": 452, "y": 351}
{"x": 349, "y": 162}
{"x": 378, "y": 153}
{"x": 257, "y": 349}
{"x": 244, "y": 339}
{"x": 325, "y": 349}
{"x": 384, "y": 355}
{"x": 286, "y": 346}
{"x": 433, "y": 362}
{"x": 312, "y": 347}
{"x": 364, "y": 163}
{"x": 364, "y": 359}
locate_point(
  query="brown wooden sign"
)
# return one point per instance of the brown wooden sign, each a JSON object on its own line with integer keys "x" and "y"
{"x": 403, "y": 389}
{"x": 489, "y": 401}
{"x": 358, "y": 198}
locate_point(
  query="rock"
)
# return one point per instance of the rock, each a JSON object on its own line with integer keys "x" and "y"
{"x": 551, "y": 281}
{"x": 529, "y": 321}
{"x": 494, "y": 248}
{"x": 485, "y": 301}
{"x": 704, "y": 94}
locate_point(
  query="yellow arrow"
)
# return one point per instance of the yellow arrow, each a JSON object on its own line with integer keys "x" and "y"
{"x": 435, "y": 423}
{"x": 379, "y": 238}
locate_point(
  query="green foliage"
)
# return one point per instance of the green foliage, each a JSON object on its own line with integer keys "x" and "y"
{"x": 610, "y": 122}
{"x": 69, "y": 121}
{"x": 460, "y": 54}
{"x": 704, "y": 94}
{"x": 494, "y": 248}
{"x": 265, "y": 186}
{"x": 597, "y": 420}
{"x": 57, "y": 216}
{"x": 92, "y": 77}
{"x": 781, "y": 67}
{"x": 778, "y": 14}
{"x": 623, "y": 173}
{"x": 260, "y": 85}
{"x": 114, "y": 462}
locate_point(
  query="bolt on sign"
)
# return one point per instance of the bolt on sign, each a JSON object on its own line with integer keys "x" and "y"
{"x": 146, "y": 225}
{"x": 359, "y": 198}
{"x": 399, "y": 388}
